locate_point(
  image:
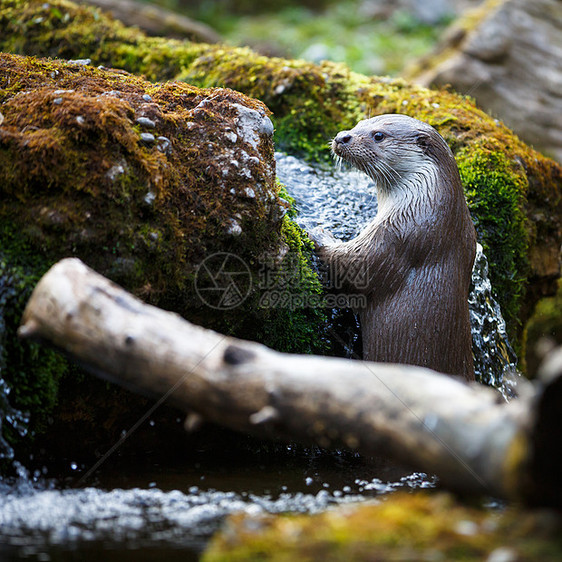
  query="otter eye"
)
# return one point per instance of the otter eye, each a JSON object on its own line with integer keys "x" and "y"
{"x": 378, "y": 136}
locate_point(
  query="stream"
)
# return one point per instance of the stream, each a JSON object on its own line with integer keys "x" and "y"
{"x": 161, "y": 510}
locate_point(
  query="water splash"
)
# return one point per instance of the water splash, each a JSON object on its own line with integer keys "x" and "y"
{"x": 495, "y": 360}
{"x": 18, "y": 420}
{"x": 344, "y": 201}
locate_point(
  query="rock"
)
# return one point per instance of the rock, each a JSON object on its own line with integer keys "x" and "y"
{"x": 129, "y": 205}
{"x": 251, "y": 124}
{"x": 147, "y": 138}
{"x": 508, "y": 57}
{"x": 80, "y": 62}
{"x": 164, "y": 144}
{"x": 234, "y": 228}
{"x": 101, "y": 153}
{"x": 146, "y": 122}
{"x": 405, "y": 526}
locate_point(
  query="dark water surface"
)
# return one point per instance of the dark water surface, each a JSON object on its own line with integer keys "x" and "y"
{"x": 152, "y": 511}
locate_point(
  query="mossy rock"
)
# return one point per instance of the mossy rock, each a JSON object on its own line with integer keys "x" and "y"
{"x": 142, "y": 182}
{"x": 515, "y": 193}
{"x": 402, "y": 527}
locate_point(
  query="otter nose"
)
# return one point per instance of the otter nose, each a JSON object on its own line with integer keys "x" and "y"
{"x": 343, "y": 137}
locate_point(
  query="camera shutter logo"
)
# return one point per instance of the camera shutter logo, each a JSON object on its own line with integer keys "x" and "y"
{"x": 223, "y": 281}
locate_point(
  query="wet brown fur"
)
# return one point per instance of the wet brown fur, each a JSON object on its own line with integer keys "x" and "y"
{"x": 414, "y": 260}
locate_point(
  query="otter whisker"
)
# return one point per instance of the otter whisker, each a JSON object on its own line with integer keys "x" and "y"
{"x": 390, "y": 172}
{"x": 386, "y": 173}
{"x": 338, "y": 161}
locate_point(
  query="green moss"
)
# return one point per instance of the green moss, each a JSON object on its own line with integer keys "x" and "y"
{"x": 32, "y": 371}
{"x": 310, "y": 102}
{"x": 292, "y": 211}
{"x": 495, "y": 190}
{"x": 291, "y": 297}
{"x": 56, "y": 29}
{"x": 402, "y": 527}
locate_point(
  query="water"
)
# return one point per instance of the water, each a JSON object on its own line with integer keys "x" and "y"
{"x": 495, "y": 361}
{"x": 344, "y": 201}
{"x": 168, "y": 510}
{"x": 18, "y": 420}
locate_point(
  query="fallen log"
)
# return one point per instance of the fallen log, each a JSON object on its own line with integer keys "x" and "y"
{"x": 466, "y": 434}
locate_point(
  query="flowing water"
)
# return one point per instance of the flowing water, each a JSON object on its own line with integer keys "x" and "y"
{"x": 168, "y": 511}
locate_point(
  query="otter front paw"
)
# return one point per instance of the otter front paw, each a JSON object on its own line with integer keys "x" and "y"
{"x": 321, "y": 237}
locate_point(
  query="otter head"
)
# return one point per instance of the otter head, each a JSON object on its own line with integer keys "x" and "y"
{"x": 392, "y": 148}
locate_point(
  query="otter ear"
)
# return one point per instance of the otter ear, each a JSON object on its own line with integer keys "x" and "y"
{"x": 422, "y": 140}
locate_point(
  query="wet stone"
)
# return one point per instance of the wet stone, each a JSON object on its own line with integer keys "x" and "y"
{"x": 251, "y": 124}
{"x": 149, "y": 198}
{"x": 115, "y": 171}
{"x": 147, "y": 138}
{"x": 164, "y": 144}
{"x": 146, "y": 122}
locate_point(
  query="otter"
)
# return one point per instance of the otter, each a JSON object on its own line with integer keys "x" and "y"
{"x": 414, "y": 261}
